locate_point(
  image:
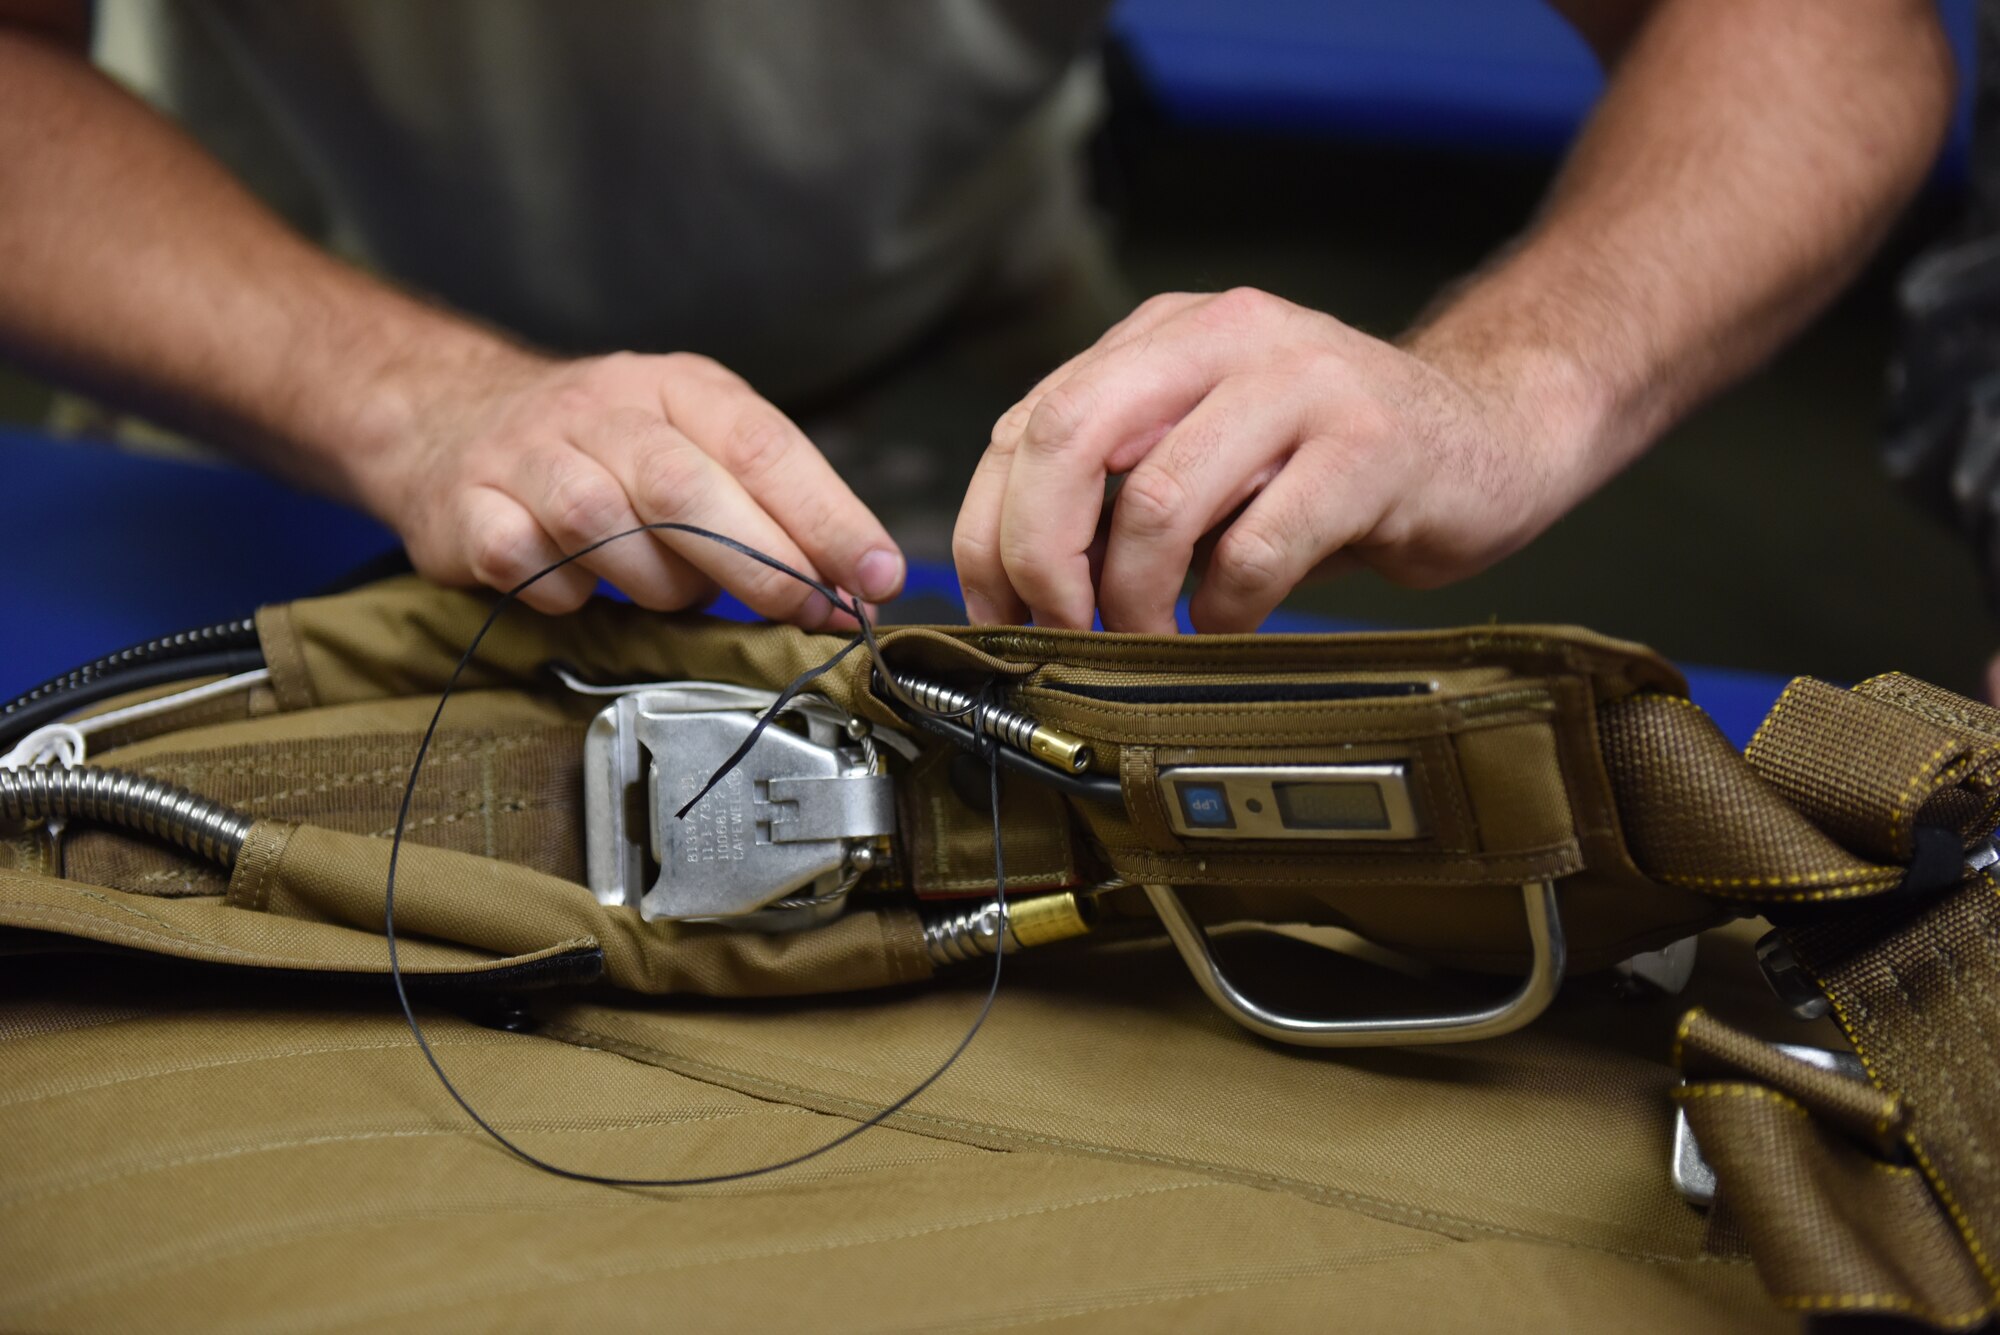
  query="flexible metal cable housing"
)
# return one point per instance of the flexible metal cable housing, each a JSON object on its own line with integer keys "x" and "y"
{"x": 134, "y": 801}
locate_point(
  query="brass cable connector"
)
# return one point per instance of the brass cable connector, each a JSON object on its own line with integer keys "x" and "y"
{"x": 957, "y": 935}
{"x": 1011, "y": 726}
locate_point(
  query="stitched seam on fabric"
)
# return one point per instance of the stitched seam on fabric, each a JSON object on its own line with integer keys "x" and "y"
{"x": 1681, "y": 1032}
{"x": 1862, "y": 874}
{"x": 1910, "y": 788}
{"x": 459, "y": 748}
{"x": 308, "y": 1142}
{"x": 508, "y": 806}
{"x": 1843, "y": 1008}
{"x": 1938, "y": 1184}
{"x": 1819, "y": 1302}
{"x": 66, "y": 1091}
{"x": 1036, "y": 880}
{"x": 1176, "y": 864}
{"x": 1451, "y": 650}
{"x": 1784, "y": 698}
{"x": 1736, "y": 1089}
{"x": 53, "y": 912}
{"x": 1332, "y": 1197}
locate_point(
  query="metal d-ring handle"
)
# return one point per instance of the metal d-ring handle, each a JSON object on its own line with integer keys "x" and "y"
{"x": 1545, "y": 936}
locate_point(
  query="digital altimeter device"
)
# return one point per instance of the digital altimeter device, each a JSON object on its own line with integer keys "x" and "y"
{"x": 1369, "y": 801}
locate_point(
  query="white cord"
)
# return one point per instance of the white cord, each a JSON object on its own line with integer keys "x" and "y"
{"x": 58, "y": 743}
{"x": 67, "y": 743}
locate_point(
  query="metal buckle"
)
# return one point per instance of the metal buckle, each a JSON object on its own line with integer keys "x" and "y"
{"x": 1662, "y": 972}
{"x": 1791, "y": 983}
{"x": 1530, "y": 999}
{"x": 1693, "y": 1178}
{"x": 791, "y": 828}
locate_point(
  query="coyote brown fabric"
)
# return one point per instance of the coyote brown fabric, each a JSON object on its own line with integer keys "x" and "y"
{"x": 1696, "y": 816}
{"x": 1535, "y": 753}
{"x": 1867, "y": 769}
{"x": 444, "y": 895}
{"x": 1810, "y": 1169}
{"x": 1505, "y": 749}
{"x": 1113, "y": 1152}
{"x": 1921, "y": 1004}
{"x": 1914, "y": 981}
{"x": 208, "y": 1151}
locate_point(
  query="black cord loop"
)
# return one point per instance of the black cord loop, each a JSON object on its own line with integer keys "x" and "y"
{"x": 866, "y": 636}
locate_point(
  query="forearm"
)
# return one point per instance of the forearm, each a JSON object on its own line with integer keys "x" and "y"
{"x": 132, "y": 264}
{"x": 1745, "y": 159}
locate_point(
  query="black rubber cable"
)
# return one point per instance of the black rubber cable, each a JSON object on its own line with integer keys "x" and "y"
{"x": 35, "y": 710}
{"x": 866, "y": 635}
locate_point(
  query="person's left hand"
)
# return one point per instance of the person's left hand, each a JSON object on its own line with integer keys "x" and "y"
{"x": 1295, "y": 442}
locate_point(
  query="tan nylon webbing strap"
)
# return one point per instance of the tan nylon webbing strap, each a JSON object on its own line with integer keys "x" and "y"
{"x": 1832, "y": 1226}
{"x": 1822, "y": 806}
{"x": 1920, "y": 1001}
{"x": 1865, "y": 767}
{"x": 1696, "y": 816}
{"x": 1915, "y": 983}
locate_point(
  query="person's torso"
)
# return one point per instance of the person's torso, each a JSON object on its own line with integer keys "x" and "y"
{"x": 795, "y": 189}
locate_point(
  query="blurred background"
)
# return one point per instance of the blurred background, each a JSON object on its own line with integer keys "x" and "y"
{"x": 1356, "y": 156}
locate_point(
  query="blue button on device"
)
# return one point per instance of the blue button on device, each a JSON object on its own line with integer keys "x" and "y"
{"x": 1206, "y": 805}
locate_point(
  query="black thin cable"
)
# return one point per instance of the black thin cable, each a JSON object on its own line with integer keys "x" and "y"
{"x": 859, "y": 612}
{"x": 771, "y": 711}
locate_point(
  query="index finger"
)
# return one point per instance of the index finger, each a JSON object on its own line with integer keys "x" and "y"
{"x": 975, "y": 544}
{"x": 671, "y": 480}
{"x": 788, "y": 476}
{"x": 1102, "y": 420}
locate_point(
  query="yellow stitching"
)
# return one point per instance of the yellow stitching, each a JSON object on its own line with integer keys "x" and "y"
{"x": 1891, "y": 1103}
{"x": 1888, "y": 876}
{"x": 1653, "y": 697}
{"x": 1896, "y": 808}
{"x": 1892, "y": 1301}
{"x": 1681, "y": 1032}
{"x": 1951, "y": 1205}
{"x": 1740, "y": 1090}
{"x": 1784, "y": 698}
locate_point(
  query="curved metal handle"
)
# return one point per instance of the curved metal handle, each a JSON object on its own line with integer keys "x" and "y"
{"x": 1545, "y": 936}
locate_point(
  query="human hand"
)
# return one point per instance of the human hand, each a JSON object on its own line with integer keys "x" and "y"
{"x": 1293, "y": 442}
{"x": 512, "y": 461}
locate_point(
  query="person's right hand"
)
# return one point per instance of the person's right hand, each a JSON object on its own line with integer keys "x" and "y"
{"x": 519, "y": 460}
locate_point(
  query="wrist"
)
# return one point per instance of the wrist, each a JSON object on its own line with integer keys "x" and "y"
{"x": 1539, "y": 390}
{"x": 372, "y": 426}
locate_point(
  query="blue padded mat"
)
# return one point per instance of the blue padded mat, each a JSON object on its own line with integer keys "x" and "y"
{"x": 1469, "y": 74}
{"x": 108, "y": 549}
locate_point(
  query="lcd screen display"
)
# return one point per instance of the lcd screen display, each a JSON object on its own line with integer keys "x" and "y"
{"x": 1331, "y": 806}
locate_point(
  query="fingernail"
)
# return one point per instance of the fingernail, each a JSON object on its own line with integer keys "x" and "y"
{"x": 880, "y": 574}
